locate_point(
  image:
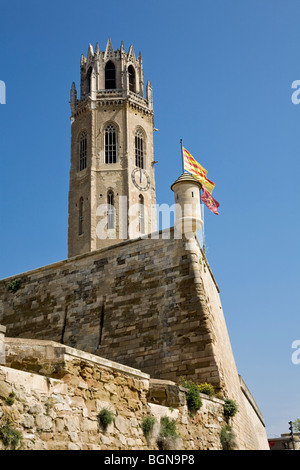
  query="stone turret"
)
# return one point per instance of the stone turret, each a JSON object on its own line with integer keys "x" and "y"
{"x": 188, "y": 219}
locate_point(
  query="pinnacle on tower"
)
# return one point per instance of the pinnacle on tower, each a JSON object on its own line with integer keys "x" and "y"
{"x": 90, "y": 52}
{"x": 131, "y": 54}
{"x": 109, "y": 49}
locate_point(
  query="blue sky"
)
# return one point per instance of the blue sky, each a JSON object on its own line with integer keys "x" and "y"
{"x": 221, "y": 72}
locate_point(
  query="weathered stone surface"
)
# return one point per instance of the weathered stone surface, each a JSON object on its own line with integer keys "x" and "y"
{"x": 69, "y": 419}
{"x": 158, "y": 312}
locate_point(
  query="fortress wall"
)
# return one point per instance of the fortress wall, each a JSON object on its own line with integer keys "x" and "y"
{"x": 57, "y": 406}
{"x": 148, "y": 304}
{"x": 134, "y": 303}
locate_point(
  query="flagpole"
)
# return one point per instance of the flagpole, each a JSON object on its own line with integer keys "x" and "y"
{"x": 203, "y": 233}
{"x": 182, "y": 158}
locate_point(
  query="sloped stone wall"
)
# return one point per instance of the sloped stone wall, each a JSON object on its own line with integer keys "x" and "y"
{"x": 140, "y": 303}
{"x": 150, "y": 304}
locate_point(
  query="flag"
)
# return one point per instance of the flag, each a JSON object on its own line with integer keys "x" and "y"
{"x": 209, "y": 201}
{"x": 192, "y": 166}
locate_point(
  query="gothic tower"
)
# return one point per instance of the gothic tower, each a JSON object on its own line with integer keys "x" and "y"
{"x": 112, "y": 186}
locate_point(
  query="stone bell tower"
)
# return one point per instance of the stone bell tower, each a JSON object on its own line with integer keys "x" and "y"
{"x": 112, "y": 186}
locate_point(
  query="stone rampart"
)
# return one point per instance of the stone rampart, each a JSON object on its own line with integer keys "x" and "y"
{"x": 149, "y": 304}
{"x": 58, "y": 407}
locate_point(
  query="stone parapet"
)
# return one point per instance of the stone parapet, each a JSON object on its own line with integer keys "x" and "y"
{"x": 52, "y": 359}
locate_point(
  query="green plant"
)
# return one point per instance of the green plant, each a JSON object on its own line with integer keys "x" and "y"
{"x": 105, "y": 417}
{"x": 10, "y": 437}
{"x": 168, "y": 437}
{"x": 207, "y": 389}
{"x": 227, "y": 438}
{"x": 193, "y": 398}
{"x": 10, "y": 399}
{"x": 147, "y": 425}
{"x": 168, "y": 427}
{"x": 14, "y": 286}
{"x": 230, "y": 408}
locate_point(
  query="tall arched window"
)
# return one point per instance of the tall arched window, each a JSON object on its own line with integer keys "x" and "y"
{"x": 131, "y": 76}
{"x": 82, "y": 150}
{"x": 110, "y": 210}
{"x": 110, "y": 144}
{"x": 139, "y": 150}
{"x": 81, "y": 217}
{"x": 141, "y": 214}
{"x": 110, "y": 76}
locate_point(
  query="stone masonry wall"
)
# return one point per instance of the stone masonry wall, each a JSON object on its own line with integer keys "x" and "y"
{"x": 148, "y": 304}
{"x": 136, "y": 303}
{"x": 57, "y": 409}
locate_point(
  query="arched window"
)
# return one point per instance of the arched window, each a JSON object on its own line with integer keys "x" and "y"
{"x": 110, "y": 144}
{"x": 141, "y": 214}
{"x": 110, "y": 76}
{"x": 131, "y": 76}
{"x": 81, "y": 215}
{"x": 82, "y": 150}
{"x": 110, "y": 210}
{"x": 139, "y": 150}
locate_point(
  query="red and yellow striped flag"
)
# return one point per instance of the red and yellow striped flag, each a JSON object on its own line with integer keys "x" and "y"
{"x": 197, "y": 170}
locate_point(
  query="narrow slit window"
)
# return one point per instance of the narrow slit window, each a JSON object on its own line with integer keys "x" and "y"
{"x": 139, "y": 150}
{"x": 81, "y": 216}
{"x": 82, "y": 151}
{"x": 110, "y": 210}
{"x": 110, "y": 145}
{"x": 141, "y": 214}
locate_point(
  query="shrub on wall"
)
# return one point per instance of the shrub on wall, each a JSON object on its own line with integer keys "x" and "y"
{"x": 193, "y": 398}
{"x": 105, "y": 417}
{"x": 147, "y": 425}
{"x": 10, "y": 399}
{"x": 168, "y": 427}
{"x": 227, "y": 438}
{"x": 14, "y": 286}
{"x": 168, "y": 437}
{"x": 10, "y": 437}
{"x": 207, "y": 389}
{"x": 230, "y": 408}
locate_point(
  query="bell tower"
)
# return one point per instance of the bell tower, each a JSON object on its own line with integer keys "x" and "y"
{"x": 112, "y": 186}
